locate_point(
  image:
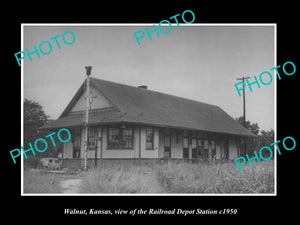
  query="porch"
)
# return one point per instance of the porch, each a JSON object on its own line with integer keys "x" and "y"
{"x": 143, "y": 145}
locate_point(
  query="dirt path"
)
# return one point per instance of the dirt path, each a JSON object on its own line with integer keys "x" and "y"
{"x": 70, "y": 185}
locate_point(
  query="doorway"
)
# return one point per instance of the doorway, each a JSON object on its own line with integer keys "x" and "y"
{"x": 76, "y": 145}
{"x": 194, "y": 148}
{"x": 167, "y": 146}
{"x": 185, "y": 148}
{"x": 225, "y": 148}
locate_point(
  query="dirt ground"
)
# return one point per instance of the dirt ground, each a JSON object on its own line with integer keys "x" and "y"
{"x": 70, "y": 185}
{"x": 69, "y": 182}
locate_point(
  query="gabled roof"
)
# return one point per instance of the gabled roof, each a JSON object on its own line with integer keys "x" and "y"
{"x": 142, "y": 106}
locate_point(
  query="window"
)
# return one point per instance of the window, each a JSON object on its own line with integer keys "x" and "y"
{"x": 167, "y": 141}
{"x": 127, "y": 138}
{"x": 213, "y": 144}
{"x": 149, "y": 138}
{"x": 205, "y": 144}
{"x": 113, "y": 138}
{"x": 119, "y": 138}
{"x": 91, "y": 138}
{"x": 194, "y": 143}
{"x": 199, "y": 142}
{"x": 185, "y": 142}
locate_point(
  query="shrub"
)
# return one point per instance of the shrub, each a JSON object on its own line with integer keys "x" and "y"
{"x": 32, "y": 162}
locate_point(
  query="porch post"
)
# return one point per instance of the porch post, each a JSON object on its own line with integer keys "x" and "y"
{"x": 140, "y": 153}
{"x": 96, "y": 146}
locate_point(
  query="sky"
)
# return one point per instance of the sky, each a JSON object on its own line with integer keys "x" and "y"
{"x": 196, "y": 61}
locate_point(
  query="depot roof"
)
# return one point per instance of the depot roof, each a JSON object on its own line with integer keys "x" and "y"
{"x": 142, "y": 106}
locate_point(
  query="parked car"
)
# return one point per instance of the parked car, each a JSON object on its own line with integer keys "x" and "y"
{"x": 50, "y": 163}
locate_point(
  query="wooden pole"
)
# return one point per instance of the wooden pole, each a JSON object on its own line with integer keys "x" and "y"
{"x": 244, "y": 110}
{"x": 96, "y": 147}
{"x": 87, "y": 106}
{"x": 100, "y": 145}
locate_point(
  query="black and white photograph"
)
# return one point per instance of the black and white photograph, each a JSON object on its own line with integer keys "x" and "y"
{"x": 149, "y": 112}
{"x": 109, "y": 113}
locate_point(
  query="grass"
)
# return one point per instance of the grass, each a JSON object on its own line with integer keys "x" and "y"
{"x": 221, "y": 178}
{"x": 180, "y": 177}
{"x": 171, "y": 177}
{"x": 118, "y": 179}
{"x": 40, "y": 182}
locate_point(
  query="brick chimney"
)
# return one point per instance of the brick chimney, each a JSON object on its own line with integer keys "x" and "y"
{"x": 143, "y": 86}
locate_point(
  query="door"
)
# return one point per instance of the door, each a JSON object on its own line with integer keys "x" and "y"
{"x": 76, "y": 146}
{"x": 185, "y": 145}
{"x": 167, "y": 146}
{"x": 205, "y": 150}
{"x": 194, "y": 148}
{"x": 199, "y": 149}
{"x": 92, "y": 139}
{"x": 226, "y": 149}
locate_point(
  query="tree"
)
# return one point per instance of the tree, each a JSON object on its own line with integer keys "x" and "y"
{"x": 34, "y": 118}
{"x": 264, "y": 138}
{"x": 267, "y": 137}
{"x": 251, "y": 142}
{"x": 253, "y": 127}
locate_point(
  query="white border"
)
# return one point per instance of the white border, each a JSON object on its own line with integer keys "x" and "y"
{"x": 22, "y": 110}
{"x": 275, "y": 110}
{"x": 150, "y": 24}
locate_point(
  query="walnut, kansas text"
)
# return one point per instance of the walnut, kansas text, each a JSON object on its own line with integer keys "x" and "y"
{"x": 86, "y": 212}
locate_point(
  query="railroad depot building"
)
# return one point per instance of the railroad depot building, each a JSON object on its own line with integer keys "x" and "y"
{"x": 137, "y": 125}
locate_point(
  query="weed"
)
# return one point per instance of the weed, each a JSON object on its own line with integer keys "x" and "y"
{"x": 40, "y": 182}
{"x": 180, "y": 177}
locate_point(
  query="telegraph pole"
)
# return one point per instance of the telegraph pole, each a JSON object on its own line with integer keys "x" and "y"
{"x": 87, "y": 107}
{"x": 244, "y": 109}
